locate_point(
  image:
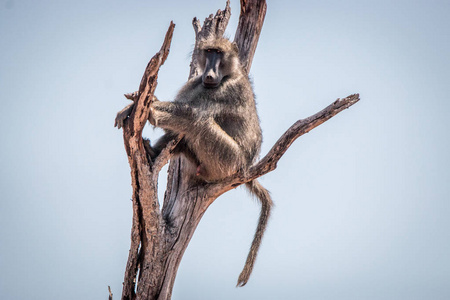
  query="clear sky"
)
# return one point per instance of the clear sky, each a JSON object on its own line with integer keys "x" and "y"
{"x": 362, "y": 202}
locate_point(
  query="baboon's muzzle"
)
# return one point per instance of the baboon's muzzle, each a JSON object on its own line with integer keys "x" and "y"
{"x": 212, "y": 76}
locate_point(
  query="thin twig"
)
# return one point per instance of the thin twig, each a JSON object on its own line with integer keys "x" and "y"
{"x": 110, "y": 294}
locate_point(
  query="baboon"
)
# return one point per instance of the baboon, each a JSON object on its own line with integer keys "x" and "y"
{"x": 215, "y": 113}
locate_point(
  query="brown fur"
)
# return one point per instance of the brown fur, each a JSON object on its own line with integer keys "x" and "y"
{"x": 220, "y": 126}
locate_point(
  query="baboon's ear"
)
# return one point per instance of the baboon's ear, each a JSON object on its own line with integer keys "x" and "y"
{"x": 235, "y": 47}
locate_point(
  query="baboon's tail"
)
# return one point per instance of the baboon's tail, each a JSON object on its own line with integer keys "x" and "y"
{"x": 266, "y": 204}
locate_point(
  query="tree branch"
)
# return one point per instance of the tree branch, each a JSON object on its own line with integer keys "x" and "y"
{"x": 249, "y": 28}
{"x": 269, "y": 162}
{"x": 146, "y": 213}
{"x": 110, "y": 297}
{"x": 149, "y": 82}
{"x": 165, "y": 155}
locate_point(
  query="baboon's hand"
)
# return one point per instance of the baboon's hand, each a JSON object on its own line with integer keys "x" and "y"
{"x": 153, "y": 117}
{"x": 173, "y": 116}
{"x": 123, "y": 115}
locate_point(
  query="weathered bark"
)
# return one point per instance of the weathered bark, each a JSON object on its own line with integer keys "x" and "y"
{"x": 249, "y": 28}
{"x": 159, "y": 237}
{"x": 146, "y": 235}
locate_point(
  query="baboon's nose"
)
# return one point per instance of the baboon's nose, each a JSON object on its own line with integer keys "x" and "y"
{"x": 210, "y": 80}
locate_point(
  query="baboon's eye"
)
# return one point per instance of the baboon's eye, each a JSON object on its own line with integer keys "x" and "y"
{"x": 213, "y": 50}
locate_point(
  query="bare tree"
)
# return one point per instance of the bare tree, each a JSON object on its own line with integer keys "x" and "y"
{"x": 159, "y": 236}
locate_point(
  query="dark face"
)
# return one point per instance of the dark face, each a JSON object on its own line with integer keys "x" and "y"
{"x": 212, "y": 75}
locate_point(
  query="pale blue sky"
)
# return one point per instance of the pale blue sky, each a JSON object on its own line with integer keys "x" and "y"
{"x": 362, "y": 202}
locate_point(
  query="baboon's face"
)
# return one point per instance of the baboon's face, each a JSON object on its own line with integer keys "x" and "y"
{"x": 214, "y": 67}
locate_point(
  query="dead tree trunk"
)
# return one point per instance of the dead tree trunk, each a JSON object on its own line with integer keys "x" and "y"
{"x": 159, "y": 237}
